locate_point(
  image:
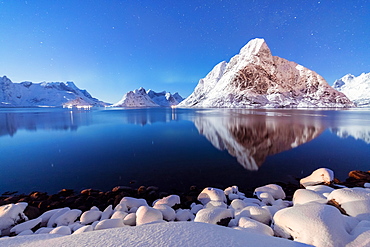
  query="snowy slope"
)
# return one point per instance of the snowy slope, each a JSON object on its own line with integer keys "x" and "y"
{"x": 355, "y": 88}
{"x": 165, "y": 98}
{"x": 255, "y": 78}
{"x": 28, "y": 94}
{"x": 141, "y": 98}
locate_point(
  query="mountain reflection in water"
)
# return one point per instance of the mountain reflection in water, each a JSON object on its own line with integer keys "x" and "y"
{"x": 252, "y": 137}
{"x": 248, "y": 135}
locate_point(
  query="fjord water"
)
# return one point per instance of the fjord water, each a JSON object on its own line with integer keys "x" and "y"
{"x": 48, "y": 149}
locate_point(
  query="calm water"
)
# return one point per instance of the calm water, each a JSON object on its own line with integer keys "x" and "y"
{"x": 51, "y": 149}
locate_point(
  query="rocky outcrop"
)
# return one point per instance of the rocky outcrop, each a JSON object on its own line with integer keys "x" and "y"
{"x": 255, "y": 78}
{"x": 141, "y": 98}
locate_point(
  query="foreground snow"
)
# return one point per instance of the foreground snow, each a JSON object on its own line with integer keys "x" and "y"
{"x": 318, "y": 215}
{"x": 158, "y": 234}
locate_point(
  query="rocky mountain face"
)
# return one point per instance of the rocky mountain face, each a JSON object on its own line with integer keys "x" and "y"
{"x": 165, "y": 98}
{"x": 28, "y": 94}
{"x": 141, "y": 98}
{"x": 355, "y": 88}
{"x": 255, "y": 78}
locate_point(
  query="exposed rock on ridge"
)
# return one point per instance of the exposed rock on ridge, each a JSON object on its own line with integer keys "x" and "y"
{"x": 255, "y": 78}
{"x": 28, "y": 94}
{"x": 355, "y": 88}
{"x": 141, "y": 98}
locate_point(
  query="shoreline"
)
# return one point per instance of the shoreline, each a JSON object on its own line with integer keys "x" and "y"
{"x": 40, "y": 202}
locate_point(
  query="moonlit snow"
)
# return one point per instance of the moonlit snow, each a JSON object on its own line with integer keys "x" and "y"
{"x": 319, "y": 215}
{"x": 255, "y": 78}
{"x": 355, "y": 88}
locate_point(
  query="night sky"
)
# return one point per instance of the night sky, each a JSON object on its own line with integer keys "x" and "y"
{"x": 111, "y": 47}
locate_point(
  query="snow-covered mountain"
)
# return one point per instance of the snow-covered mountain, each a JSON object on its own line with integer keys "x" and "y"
{"x": 255, "y": 78}
{"x": 251, "y": 139}
{"x": 141, "y": 98}
{"x": 28, "y": 94}
{"x": 355, "y": 88}
{"x": 165, "y": 98}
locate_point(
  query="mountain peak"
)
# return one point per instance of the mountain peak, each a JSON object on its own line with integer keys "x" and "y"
{"x": 255, "y": 46}
{"x": 255, "y": 78}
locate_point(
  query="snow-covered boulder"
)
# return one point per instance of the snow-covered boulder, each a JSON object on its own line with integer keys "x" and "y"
{"x": 355, "y": 201}
{"x": 273, "y": 189}
{"x": 170, "y": 200}
{"x": 146, "y": 214}
{"x": 168, "y": 213}
{"x": 27, "y": 225}
{"x": 131, "y": 202}
{"x": 321, "y": 175}
{"x": 255, "y": 226}
{"x": 90, "y": 216}
{"x": 109, "y": 223}
{"x": 211, "y": 194}
{"x": 12, "y": 214}
{"x": 213, "y": 215}
{"x": 302, "y": 196}
{"x": 312, "y": 223}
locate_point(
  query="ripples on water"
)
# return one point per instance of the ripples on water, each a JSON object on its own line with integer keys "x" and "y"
{"x": 51, "y": 149}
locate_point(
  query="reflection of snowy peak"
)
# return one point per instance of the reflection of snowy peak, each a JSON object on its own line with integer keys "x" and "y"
{"x": 44, "y": 94}
{"x": 355, "y": 88}
{"x": 252, "y": 139}
{"x": 141, "y": 98}
{"x": 357, "y": 132}
{"x": 255, "y": 78}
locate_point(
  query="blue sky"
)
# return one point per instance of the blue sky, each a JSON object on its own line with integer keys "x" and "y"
{"x": 111, "y": 47}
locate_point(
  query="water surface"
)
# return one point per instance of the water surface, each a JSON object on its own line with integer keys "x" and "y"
{"x": 50, "y": 149}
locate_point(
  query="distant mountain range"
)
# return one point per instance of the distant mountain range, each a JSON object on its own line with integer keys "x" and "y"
{"x": 355, "y": 88}
{"x": 141, "y": 98}
{"x": 255, "y": 78}
{"x": 28, "y": 94}
{"x": 252, "y": 78}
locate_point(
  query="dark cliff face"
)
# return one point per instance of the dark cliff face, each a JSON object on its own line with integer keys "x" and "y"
{"x": 252, "y": 139}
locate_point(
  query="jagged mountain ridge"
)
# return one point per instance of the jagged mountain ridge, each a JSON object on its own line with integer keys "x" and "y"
{"x": 28, "y": 94}
{"x": 255, "y": 78}
{"x": 141, "y": 98}
{"x": 355, "y": 88}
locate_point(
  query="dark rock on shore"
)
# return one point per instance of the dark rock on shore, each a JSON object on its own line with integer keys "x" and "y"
{"x": 39, "y": 202}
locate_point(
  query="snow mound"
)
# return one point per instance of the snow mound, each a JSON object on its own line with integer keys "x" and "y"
{"x": 163, "y": 234}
